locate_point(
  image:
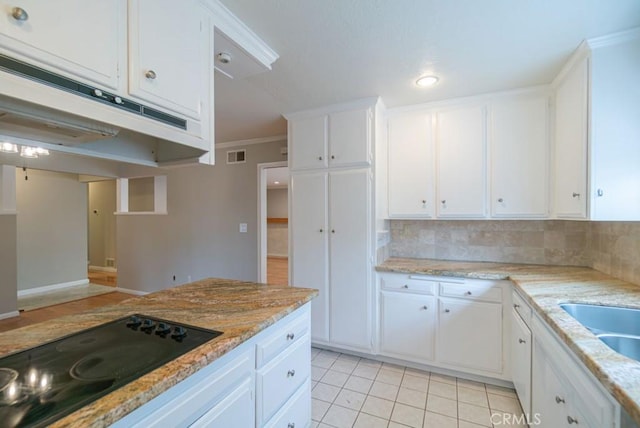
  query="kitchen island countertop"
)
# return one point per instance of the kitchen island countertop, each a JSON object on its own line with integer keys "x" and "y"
{"x": 545, "y": 287}
{"x": 239, "y": 309}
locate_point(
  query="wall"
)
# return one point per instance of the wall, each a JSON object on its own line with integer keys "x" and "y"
{"x": 141, "y": 194}
{"x": 8, "y": 259}
{"x": 615, "y": 249}
{"x": 51, "y": 228}
{"x": 199, "y": 236}
{"x": 102, "y": 222}
{"x": 277, "y": 233}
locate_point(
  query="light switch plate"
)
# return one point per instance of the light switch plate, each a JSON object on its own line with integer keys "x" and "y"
{"x": 243, "y": 227}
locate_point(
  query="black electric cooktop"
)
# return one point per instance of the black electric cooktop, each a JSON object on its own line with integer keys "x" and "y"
{"x": 41, "y": 385}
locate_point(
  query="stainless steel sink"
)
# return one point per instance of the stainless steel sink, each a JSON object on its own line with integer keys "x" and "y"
{"x": 618, "y": 328}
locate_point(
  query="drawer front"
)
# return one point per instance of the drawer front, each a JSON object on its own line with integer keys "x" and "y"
{"x": 474, "y": 291}
{"x": 521, "y": 307}
{"x": 267, "y": 349}
{"x": 278, "y": 380}
{"x": 296, "y": 412}
{"x": 409, "y": 283}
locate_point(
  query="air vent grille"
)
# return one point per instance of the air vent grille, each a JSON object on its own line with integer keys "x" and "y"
{"x": 236, "y": 156}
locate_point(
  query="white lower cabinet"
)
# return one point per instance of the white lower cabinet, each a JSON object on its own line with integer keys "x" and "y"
{"x": 408, "y": 325}
{"x": 521, "y": 357}
{"x": 564, "y": 393}
{"x": 263, "y": 382}
{"x": 452, "y": 323}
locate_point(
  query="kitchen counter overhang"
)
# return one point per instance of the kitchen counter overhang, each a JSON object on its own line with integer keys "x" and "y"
{"x": 239, "y": 309}
{"x": 545, "y": 288}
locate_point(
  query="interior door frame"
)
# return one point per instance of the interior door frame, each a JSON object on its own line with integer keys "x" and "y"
{"x": 262, "y": 216}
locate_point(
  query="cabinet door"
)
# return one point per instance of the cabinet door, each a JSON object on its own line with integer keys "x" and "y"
{"x": 549, "y": 399}
{"x": 521, "y": 360}
{"x": 350, "y": 263}
{"x": 470, "y": 334}
{"x": 408, "y": 326}
{"x": 461, "y": 177}
{"x": 169, "y": 54}
{"x": 308, "y": 143}
{"x": 519, "y": 157}
{"x": 309, "y": 245}
{"x": 350, "y": 138}
{"x": 411, "y": 166}
{"x": 77, "y": 38}
{"x": 236, "y": 410}
{"x": 570, "y": 186}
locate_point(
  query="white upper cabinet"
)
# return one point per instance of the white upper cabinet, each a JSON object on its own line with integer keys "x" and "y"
{"x": 570, "y": 182}
{"x": 411, "y": 166}
{"x": 461, "y": 159}
{"x": 337, "y": 139}
{"x": 615, "y": 129}
{"x": 80, "y": 39}
{"x": 519, "y": 143}
{"x": 169, "y": 50}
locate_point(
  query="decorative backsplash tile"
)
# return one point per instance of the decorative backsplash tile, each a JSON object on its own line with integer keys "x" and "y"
{"x": 610, "y": 247}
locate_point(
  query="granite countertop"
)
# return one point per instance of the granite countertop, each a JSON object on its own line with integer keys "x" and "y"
{"x": 239, "y": 309}
{"x": 545, "y": 287}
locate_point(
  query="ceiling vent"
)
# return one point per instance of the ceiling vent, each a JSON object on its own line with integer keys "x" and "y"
{"x": 236, "y": 156}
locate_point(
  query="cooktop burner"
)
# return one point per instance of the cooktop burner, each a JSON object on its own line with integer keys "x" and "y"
{"x": 41, "y": 385}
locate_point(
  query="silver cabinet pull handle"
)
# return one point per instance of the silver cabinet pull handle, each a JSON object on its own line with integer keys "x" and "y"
{"x": 447, "y": 310}
{"x": 522, "y": 341}
{"x": 150, "y": 75}
{"x": 572, "y": 420}
{"x": 291, "y": 373}
{"x": 291, "y": 425}
{"x": 576, "y": 195}
{"x": 559, "y": 399}
{"x": 19, "y": 14}
{"x": 290, "y": 336}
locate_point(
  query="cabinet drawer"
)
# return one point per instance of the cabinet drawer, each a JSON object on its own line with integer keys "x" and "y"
{"x": 278, "y": 380}
{"x": 473, "y": 291}
{"x": 410, "y": 283}
{"x": 267, "y": 349}
{"x": 296, "y": 412}
{"x": 521, "y": 307}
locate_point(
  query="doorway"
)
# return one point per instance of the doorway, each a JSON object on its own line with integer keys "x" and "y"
{"x": 273, "y": 223}
{"x": 101, "y": 234}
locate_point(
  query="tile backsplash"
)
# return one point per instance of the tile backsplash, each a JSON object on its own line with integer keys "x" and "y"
{"x": 610, "y": 247}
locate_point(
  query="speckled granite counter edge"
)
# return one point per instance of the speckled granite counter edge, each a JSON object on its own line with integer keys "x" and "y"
{"x": 545, "y": 287}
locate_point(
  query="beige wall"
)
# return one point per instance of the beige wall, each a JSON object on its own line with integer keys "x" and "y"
{"x": 199, "y": 236}
{"x": 8, "y": 263}
{"x": 277, "y": 233}
{"x": 51, "y": 228}
{"x": 102, "y": 222}
{"x": 141, "y": 194}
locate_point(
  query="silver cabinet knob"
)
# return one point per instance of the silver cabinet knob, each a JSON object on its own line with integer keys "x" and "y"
{"x": 576, "y": 195}
{"x": 424, "y": 308}
{"x": 291, "y": 425}
{"x": 321, "y": 230}
{"x": 424, "y": 201}
{"x": 444, "y": 201}
{"x": 291, "y": 373}
{"x": 572, "y": 420}
{"x": 522, "y": 341}
{"x": 600, "y": 192}
{"x": 19, "y": 14}
{"x": 405, "y": 286}
{"x": 150, "y": 74}
{"x": 516, "y": 306}
{"x": 333, "y": 231}
{"x": 559, "y": 399}
{"x": 290, "y": 336}
{"x": 500, "y": 200}
{"x": 333, "y": 157}
{"x": 467, "y": 293}
{"x": 447, "y": 310}
{"x": 319, "y": 157}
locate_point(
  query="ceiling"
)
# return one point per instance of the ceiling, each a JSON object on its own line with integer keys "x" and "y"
{"x": 278, "y": 178}
{"x": 334, "y": 51}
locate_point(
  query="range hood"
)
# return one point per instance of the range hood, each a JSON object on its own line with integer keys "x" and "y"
{"x": 23, "y": 120}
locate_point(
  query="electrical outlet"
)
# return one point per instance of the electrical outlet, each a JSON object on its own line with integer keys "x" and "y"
{"x": 243, "y": 227}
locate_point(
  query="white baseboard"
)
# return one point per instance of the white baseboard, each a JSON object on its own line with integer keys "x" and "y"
{"x": 52, "y": 287}
{"x": 9, "y": 315}
{"x": 103, "y": 269}
{"x": 131, "y": 291}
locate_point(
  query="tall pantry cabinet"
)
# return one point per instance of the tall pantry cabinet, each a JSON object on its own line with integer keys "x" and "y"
{"x": 331, "y": 219}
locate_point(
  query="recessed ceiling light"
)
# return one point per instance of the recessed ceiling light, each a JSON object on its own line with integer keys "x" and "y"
{"x": 426, "y": 81}
{"x": 8, "y": 147}
{"x": 276, "y": 182}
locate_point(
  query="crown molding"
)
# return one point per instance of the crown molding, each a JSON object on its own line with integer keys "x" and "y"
{"x": 333, "y": 108}
{"x": 614, "y": 39}
{"x": 251, "y": 141}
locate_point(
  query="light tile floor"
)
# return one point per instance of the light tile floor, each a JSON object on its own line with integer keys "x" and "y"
{"x": 353, "y": 392}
